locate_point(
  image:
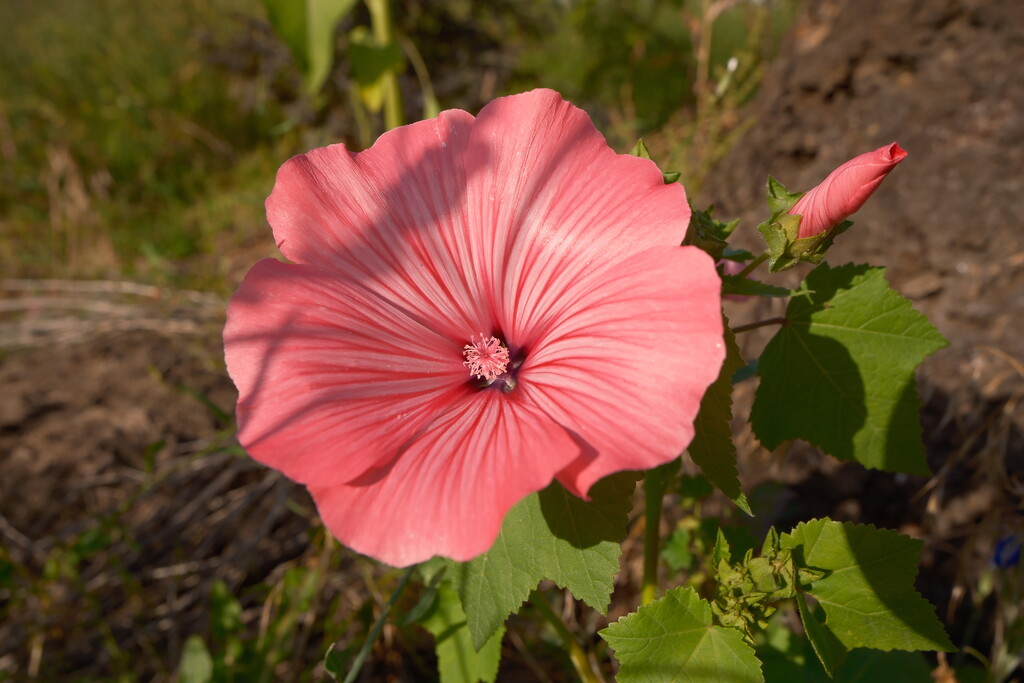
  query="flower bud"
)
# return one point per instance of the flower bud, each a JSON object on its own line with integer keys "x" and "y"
{"x": 845, "y": 190}
{"x": 730, "y": 267}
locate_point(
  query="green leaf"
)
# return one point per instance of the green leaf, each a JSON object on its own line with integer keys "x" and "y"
{"x": 307, "y": 28}
{"x": 334, "y": 663}
{"x": 673, "y": 639}
{"x": 826, "y": 646}
{"x": 840, "y": 373}
{"x": 372, "y": 62}
{"x": 196, "y": 663}
{"x": 712, "y": 447}
{"x": 549, "y": 535}
{"x": 458, "y": 660}
{"x": 867, "y": 591}
{"x": 787, "y": 657}
{"x": 744, "y": 286}
{"x": 676, "y": 551}
{"x": 709, "y": 234}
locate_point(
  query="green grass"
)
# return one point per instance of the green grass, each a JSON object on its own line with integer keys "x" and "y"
{"x": 114, "y": 125}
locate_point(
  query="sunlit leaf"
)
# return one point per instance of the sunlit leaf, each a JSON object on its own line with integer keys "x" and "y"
{"x": 712, "y": 447}
{"x": 867, "y": 591}
{"x": 548, "y": 535}
{"x": 458, "y": 660}
{"x": 196, "y": 663}
{"x": 673, "y": 640}
{"x": 307, "y": 27}
{"x": 840, "y": 373}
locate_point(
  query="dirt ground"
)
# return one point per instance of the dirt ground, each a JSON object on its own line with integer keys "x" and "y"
{"x": 105, "y": 417}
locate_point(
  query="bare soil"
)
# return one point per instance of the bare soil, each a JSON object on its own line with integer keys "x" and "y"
{"x": 131, "y": 425}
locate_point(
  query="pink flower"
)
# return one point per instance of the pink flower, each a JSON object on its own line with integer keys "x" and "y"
{"x": 474, "y": 307}
{"x": 845, "y": 190}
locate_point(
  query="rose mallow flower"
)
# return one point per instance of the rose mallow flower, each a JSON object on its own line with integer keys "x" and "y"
{"x": 845, "y": 190}
{"x": 474, "y": 307}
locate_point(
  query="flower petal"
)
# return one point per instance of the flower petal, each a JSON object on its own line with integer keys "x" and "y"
{"x": 561, "y": 203}
{"x": 391, "y": 217}
{"x": 448, "y": 493}
{"x": 627, "y": 367}
{"x": 332, "y": 380}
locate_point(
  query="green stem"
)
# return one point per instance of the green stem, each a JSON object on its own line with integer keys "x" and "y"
{"x": 377, "y": 627}
{"x": 384, "y": 34}
{"x": 752, "y": 266}
{"x": 759, "y": 323}
{"x": 654, "y": 493}
{"x": 577, "y": 656}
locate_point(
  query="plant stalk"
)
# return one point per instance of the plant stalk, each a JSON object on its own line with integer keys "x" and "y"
{"x": 759, "y": 323}
{"x": 654, "y": 493}
{"x": 752, "y": 266}
{"x": 577, "y": 656}
{"x": 384, "y": 34}
{"x": 353, "y": 672}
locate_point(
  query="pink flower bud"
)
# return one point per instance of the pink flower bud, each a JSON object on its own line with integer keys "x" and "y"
{"x": 730, "y": 267}
{"x": 845, "y": 190}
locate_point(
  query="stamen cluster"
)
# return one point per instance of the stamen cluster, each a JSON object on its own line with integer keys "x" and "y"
{"x": 487, "y": 358}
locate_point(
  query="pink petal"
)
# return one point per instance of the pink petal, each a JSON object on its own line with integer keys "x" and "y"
{"x": 626, "y": 370}
{"x": 391, "y": 217}
{"x": 448, "y": 493}
{"x": 561, "y": 202}
{"x": 332, "y": 380}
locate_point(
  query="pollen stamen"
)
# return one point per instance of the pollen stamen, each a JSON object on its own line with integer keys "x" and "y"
{"x": 486, "y": 358}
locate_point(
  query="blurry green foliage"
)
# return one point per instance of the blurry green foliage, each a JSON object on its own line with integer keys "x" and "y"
{"x": 307, "y": 27}
{"x": 641, "y": 59}
{"x": 111, "y": 114}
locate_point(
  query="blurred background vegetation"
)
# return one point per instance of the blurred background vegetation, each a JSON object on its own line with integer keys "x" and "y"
{"x": 140, "y": 139}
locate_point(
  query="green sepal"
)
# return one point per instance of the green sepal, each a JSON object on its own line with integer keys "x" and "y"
{"x": 780, "y": 232}
{"x": 781, "y": 200}
{"x": 640, "y": 150}
{"x": 709, "y": 234}
{"x": 722, "y": 551}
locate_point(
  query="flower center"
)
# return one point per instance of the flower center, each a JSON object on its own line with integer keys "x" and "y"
{"x": 487, "y": 358}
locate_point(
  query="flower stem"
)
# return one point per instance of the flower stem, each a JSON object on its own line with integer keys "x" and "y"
{"x": 654, "y": 492}
{"x": 760, "y": 323}
{"x": 384, "y": 34}
{"x": 353, "y": 672}
{"x": 752, "y": 266}
{"x": 577, "y": 656}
